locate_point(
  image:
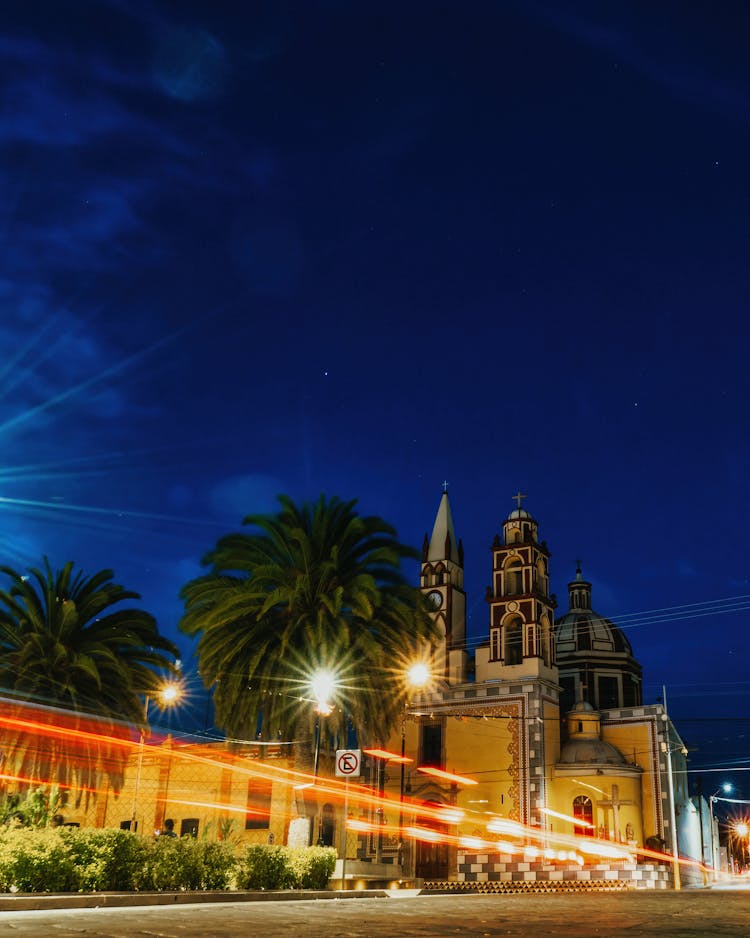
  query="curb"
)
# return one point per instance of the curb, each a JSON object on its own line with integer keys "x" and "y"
{"x": 43, "y": 902}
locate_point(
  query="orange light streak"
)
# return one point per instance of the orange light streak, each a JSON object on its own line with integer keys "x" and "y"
{"x": 448, "y": 776}
{"x": 579, "y": 822}
{"x": 388, "y": 756}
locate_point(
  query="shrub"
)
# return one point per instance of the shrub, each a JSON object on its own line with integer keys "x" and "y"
{"x": 34, "y": 861}
{"x": 70, "y": 860}
{"x": 286, "y": 867}
{"x": 187, "y": 863}
{"x": 172, "y": 865}
{"x": 265, "y": 867}
{"x": 219, "y": 865}
{"x": 312, "y": 866}
{"x": 106, "y": 859}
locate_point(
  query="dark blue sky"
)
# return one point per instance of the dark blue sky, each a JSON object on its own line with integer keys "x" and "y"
{"x": 362, "y": 248}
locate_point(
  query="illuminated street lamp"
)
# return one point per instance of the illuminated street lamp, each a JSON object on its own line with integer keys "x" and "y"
{"x": 168, "y": 695}
{"x": 417, "y": 677}
{"x": 322, "y": 685}
{"x": 741, "y": 835}
{"x": 726, "y": 789}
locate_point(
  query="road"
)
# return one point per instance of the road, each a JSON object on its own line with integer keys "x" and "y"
{"x": 686, "y": 914}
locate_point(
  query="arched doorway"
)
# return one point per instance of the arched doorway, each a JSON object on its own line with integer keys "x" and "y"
{"x": 327, "y": 826}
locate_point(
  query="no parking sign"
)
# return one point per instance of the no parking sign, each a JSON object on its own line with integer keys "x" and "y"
{"x": 348, "y": 763}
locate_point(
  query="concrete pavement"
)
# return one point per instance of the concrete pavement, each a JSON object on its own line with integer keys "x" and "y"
{"x": 688, "y": 914}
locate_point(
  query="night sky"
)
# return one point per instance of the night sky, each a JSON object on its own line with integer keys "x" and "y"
{"x": 362, "y": 248}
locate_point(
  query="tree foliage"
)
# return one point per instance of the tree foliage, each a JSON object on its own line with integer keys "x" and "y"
{"x": 315, "y": 586}
{"x": 68, "y": 653}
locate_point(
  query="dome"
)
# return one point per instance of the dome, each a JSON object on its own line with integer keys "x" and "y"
{"x": 518, "y": 513}
{"x": 582, "y": 629}
{"x": 590, "y": 752}
{"x": 585, "y": 630}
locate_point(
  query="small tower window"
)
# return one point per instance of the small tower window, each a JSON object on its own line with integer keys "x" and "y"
{"x": 514, "y": 641}
{"x": 494, "y": 644}
{"x": 513, "y": 577}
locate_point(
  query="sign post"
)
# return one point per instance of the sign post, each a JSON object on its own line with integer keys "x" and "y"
{"x": 348, "y": 765}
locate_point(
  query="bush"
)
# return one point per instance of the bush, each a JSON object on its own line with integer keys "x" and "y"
{"x": 34, "y": 861}
{"x": 219, "y": 865}
{"x": 187, "y": 863}
{"x": 265, "y": 867}
{"x": 69, "y": 860}
{"x": 312, "y": 866}
{"x": 106, "y": 859}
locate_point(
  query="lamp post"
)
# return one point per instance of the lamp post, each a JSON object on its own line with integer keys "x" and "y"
{"x": 741, "y": 832}
{"x": 168, "y": 695}
{"x": 322, "y": 685}
{"x": 670, "y": 782}
{"x": 726, "y": 788}
{"x": 417, "y": 677}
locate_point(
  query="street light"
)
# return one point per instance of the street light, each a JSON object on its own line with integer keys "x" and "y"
{"x": 167, "y": 695}
{"x": 322, "y": 685}
{"x": 417, "y": 677}
{"x": 741, "y": 832}
{"x": 726, "y": 788}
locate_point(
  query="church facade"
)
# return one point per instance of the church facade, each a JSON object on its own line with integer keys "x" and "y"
{"x": 543, "y": 730}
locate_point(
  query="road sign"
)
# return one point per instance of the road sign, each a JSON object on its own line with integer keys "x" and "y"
{"x": 348, "y": 762}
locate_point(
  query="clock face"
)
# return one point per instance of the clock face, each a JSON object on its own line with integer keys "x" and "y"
{"x": 435, "y": 599}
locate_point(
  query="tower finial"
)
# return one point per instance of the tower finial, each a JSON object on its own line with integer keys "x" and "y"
{"x": 578, "y": 570}
{"x": 519, "y": 498}
{"x": 445, "y": 487}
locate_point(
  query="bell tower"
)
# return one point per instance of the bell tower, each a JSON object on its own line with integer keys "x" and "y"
{"x": 442, "y": 581}
{"x": 521, "y": 633}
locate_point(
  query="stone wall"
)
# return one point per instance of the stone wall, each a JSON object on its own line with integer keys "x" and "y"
{"x": 495, "y": 867}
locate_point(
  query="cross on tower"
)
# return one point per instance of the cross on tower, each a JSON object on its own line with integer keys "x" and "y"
{"x": 615, "y": 804}
{"x": 519, "y": 498}
{"x": 445, "y": 487}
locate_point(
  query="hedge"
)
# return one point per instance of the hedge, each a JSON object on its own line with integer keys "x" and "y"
{"x": 286, "y": 867}
{"x": 73, "y": 860}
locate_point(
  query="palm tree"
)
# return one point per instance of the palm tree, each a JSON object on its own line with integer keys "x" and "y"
{"x": 314, "y": 586}
{"x": 73, "y": 658}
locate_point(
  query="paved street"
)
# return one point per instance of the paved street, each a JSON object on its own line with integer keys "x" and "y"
{"x": 686, "y": 914}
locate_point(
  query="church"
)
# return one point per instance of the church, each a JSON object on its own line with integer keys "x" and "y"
{"x": 543, "y": 728}
{"x": 529, "y": 762}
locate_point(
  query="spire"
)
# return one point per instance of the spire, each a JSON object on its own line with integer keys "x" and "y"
{"x": 443, "y": 543}
{"x": 579, "y": 590}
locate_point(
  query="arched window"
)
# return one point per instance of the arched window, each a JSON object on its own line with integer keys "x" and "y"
{"x": 494, "y": 644}
{"x": 513, "y": 576}
{"x": 513, "y": 641}
{"x": 327, "y": 826}
{"x": 583, "y": 810}
{"x": 541, "y": 577}
{"x": 545, "y": 636}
